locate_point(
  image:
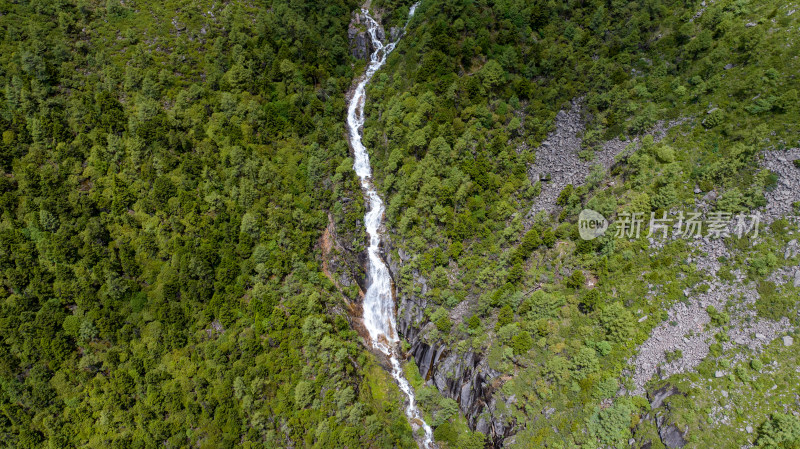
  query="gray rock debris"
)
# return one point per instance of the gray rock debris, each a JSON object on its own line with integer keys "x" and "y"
{"x": 691, "y": 334}
{"x": 557, "y": 157}
{"x": 792, "y": 249}
{"x": 787, "y": 192}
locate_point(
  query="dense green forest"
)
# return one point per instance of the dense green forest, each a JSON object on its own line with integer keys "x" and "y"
{"x": 170, "y": 171}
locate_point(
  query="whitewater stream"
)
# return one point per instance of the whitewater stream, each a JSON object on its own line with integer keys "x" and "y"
{"x": 378, "y": 301}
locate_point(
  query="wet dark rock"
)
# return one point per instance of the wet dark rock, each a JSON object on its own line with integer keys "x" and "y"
{"x": 669, "y": 433}
{"x": 671, "y": 436}
{"x": 360, "y": 43}
{"x": 482, "y": 426}
{"x": 464, "y": 377}
{"x": 657, "y": 397}
{"x": 426, "y": 356}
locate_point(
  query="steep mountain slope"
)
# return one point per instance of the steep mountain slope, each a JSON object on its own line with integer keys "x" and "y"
{"x": 168, "y": 171}
{"x": 530, "y": 331}
{"x": 182, "y": 252}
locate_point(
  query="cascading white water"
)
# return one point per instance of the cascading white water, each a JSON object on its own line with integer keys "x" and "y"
{"x": 378, "y": 302}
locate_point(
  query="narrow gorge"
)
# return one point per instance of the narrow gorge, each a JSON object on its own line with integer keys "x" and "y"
{"x": 378, "y": 302}
{"x": 388, "y": 312}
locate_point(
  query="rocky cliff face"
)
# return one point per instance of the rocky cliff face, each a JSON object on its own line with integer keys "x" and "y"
{"x": 360, "y": 43}
{"x": 345, "y": 267}
{"x": 464, "y": 377}
{"x": 669, "y": 433}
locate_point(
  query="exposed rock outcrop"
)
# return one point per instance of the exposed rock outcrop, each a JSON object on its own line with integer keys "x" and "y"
{"x": 345, "y": 267}
{"x": 360, "y": 43}
{"x": 671, "y": 436}
{"x": 668, "y": 432}
{"x": 464, "y": 377}
{"x": 342, "y": 265}
{"x": 692, "y": 333}
{"x": 557, "y": 159}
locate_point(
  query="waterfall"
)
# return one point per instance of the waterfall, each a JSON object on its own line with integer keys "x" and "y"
{"x": 378, "y": 303}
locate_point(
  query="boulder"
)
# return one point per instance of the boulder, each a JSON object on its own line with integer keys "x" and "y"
{"x": 672, "y": 437}
{"x": 360, "y": 45}
{"x": 658, "y": 396}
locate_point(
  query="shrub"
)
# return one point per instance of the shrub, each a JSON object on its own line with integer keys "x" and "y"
{"x": 585, "y": 363}
{"x": 576, "y": 279}
{"x": 455, "y": 250}
{"x": 541, "y": 304}
{"x": 731, "y": 201}
{"x": 714, "y": 118}
{"x": 665, "y": 154}
{"x": 718, "y": 318}
{"x": 779, "y": 431}
{"x": 505, "y": 316}
{"x": 472, "y": 440}
{"x": 530, "y": 242}
{"x": 611, "y": 426}
{"x": 563, "y": 197}
{"x": 441, "y": 319}
{"x": 671, "y": 356}
{"x": 448, "y": 408}
{"x": 589, "y": 300}
{"x": 617, "y": 322}
{"x": 773, "y": 304}
{"x": 756, "y": 364}
{"x": 444, "y": 324}
{"x": 446, "y": 433}
{"x": 742, "y": 373}
{"x": 522, "y": 343}
{"x": 516, "y": 273}
{"x": 548, "y": 237}
{"x": 303, "y": 394}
